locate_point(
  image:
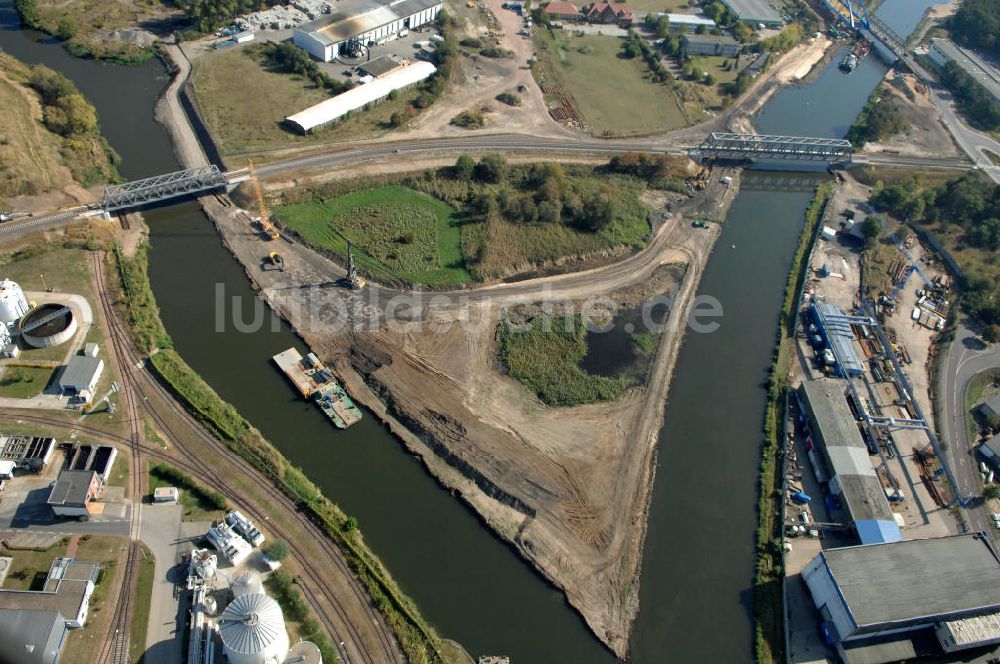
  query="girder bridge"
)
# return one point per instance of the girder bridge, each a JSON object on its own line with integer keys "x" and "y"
{"x": 761, "y": 146}
{"x": 162, "y": 187}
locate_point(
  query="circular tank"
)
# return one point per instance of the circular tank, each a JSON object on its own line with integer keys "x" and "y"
{"x": 54, "y": 331}
{"x": 13, "y": 303}
{"x": 247, "y": 583}
{"x": 253, "y": 631}
{"x": 305, "y": 652}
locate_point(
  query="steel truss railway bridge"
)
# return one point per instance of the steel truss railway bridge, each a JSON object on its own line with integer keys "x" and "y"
{"x": 755, "y": 147}
{"x": 162, "y": 188}
{"x": 855, "y": 15}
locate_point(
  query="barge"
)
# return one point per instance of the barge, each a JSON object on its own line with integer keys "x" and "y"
{"x": 315, "y": 381}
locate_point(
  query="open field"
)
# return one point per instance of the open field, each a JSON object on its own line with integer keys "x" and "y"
{"x": 412, "y": 235}
{"x": 492, "y": 244}
{"x": 243, "y": 120}
{"x": 613, "y": 95}
{"x": 23, "y": 382}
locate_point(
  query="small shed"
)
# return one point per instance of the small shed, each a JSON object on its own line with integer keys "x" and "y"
{"x": 828, "y": 233}
{"x": 165, "y": 494}
{"x": 242, "y": 37}
{"x": 91, "y": 350}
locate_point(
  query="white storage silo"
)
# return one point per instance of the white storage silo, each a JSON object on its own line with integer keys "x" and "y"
{"x": 13, "y": 302}
{"x": 247, "y": 583}
{"x": 253, "y": 631}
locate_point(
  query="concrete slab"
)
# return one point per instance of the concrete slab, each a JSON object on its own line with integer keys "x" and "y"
{"x": 159, "y": 530}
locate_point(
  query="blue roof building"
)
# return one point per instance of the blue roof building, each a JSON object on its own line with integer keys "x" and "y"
{"x": 836, "y": 332}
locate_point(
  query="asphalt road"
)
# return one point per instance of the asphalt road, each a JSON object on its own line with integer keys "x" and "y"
{"x": 967, "y": 356}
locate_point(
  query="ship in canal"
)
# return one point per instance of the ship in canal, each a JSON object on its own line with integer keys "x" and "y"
{"x": 314, "y": 381}
{"x": 857, "y": 53}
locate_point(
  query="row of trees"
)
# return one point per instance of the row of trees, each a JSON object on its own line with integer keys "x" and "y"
{"x": 636, "y": 46}
{"x": 977, "y": 24}
{"x": 973, "y": 99}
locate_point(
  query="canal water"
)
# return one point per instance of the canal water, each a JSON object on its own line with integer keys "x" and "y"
{"x": 698, "y": 563}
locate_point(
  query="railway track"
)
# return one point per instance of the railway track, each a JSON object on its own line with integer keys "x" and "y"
{"x": 136, "y": 380}
{"x": 115, "y": 649}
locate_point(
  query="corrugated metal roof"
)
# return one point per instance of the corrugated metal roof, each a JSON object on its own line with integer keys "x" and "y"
{"x": 876, "y": 531}
{"x": 80, "y": 372}
{"x": 914, "y": 579}
{"x": 358, "y": 97}
{"x": 252, "y": 624}
{"x": 839, "y": 335}
{"x": 356, "y": 17}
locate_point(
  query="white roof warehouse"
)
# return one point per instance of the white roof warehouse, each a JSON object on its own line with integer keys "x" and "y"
{"x": 363, "y": 20}
{"x": 360, "y": 96}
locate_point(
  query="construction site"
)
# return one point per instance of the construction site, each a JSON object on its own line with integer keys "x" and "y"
{"x": 864, "y": 462}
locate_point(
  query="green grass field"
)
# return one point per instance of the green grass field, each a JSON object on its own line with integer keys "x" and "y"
{"x": 191, "y": 498}
{"x": 544, "y": 355}
{"x": 400, "y": 231}
{"x": 613, "y": 95}
{"x": 244, "y": 121}
{"x": 23, "y": 382}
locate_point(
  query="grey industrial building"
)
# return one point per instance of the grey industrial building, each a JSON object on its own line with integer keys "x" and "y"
{"x": 33, "y": 623}
{"x": 833, "y": 430}
{"x": 722, "y": 45}
{"x": 886, "y": 602}
{"x": 80, "y": 376}
{"x": 73, "y": 492}
{"x": 757, "y": 12}
{"x": 362, "y": 21}
{"x": 944, "y": 50}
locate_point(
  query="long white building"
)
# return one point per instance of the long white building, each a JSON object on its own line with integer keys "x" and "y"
{"x": 366, "y": 21}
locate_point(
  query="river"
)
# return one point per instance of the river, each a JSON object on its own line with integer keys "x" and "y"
{"x": 698, "y": 563}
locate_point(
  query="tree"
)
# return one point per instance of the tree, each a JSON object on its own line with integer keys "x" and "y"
{"x": 276, "y": 550}
{"x": 872, "y": 229}
{"x": 991, "y": 492}
{"x": 491, "y": 168}
{"x": 66, "y": 29}
{"x": 351, "y": 524}
{"x": 991, "y": 333}
{"x": 464, "y": 167}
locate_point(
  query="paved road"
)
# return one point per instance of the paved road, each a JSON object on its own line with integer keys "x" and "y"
{"x": 967, "y": 356}
{"x": 160, "y": 530}
{"x": 972, "y": 142}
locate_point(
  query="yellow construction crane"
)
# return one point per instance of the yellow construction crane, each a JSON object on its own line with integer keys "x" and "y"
{"x": 265, "y": 221}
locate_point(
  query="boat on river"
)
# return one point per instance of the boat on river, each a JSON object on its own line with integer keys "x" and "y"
{"x": 857, "y": 53}
{"x": 314, "y": 381}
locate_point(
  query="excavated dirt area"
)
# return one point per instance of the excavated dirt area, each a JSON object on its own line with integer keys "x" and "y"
{"x": 568, "y": 487}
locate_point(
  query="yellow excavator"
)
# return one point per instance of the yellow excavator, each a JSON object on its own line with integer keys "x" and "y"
{"x": 265, "y": 218}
